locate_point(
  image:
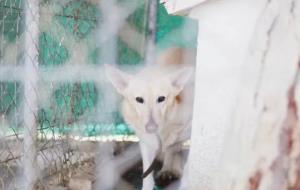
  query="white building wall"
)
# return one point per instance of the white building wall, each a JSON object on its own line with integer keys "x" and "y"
{"x": 248, "y": 51}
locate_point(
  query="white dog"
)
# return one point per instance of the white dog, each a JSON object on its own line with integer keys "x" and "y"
{"x": 157, "y": 104}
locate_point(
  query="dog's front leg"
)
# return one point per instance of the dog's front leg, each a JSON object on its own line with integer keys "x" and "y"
{"x": 184, "y": 180}
{"x": 149, "y": 147}
{"x": 172, "y": 163}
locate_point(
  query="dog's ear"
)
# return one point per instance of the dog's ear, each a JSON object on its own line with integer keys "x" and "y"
{"x": 180, "y": 78}
{"x": 118, "y": 78}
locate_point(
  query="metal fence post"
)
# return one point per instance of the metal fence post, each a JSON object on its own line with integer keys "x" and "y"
{"x": 150, "y": 46}
{"x": 30, "y": 92}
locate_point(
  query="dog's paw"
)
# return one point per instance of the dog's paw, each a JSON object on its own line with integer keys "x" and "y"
{"x": 168, "y": 175}
{"x": 165, "y": 178}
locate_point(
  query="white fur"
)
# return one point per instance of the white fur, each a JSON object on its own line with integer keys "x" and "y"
{"x": 169, "y": 120}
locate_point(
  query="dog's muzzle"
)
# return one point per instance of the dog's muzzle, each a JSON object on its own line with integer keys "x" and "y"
{"x": 151, "y": 126}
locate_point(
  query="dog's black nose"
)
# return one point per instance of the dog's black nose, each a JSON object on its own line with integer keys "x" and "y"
{"x": 151, "y": 127}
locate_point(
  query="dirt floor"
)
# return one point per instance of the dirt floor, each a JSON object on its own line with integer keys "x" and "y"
{"x": 131, "y": 178}
{"x": 74, "y": 165}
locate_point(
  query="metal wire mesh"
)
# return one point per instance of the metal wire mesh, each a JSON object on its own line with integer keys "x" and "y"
{"x": 55, "y": 104}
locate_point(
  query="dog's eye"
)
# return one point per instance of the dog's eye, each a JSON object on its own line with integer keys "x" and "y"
{"x": 161, "y": 99}
{"x": 139, "y": 100}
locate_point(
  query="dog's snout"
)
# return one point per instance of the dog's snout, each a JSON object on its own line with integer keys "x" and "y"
{"x": 151, "y": 125}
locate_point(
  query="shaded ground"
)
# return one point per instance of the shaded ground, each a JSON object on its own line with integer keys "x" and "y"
{"x": 133, "y": 176}
{"x": 74, "y": 166}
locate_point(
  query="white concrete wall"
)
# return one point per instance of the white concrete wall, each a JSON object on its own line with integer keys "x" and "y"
{"x": 248, "y": 51}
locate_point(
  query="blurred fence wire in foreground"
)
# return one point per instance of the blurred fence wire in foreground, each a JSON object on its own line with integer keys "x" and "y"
{"x": 59, "y": 117}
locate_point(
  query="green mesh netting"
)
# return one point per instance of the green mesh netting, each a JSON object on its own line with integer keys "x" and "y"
{"x": 79, "y": 18}
{"x": 11, "y": 19}
{"x": 9, "y": 97}
{"x": 125, "y": 55}
{"x": 51, "y": 52}
{"x": 138, "y": 18}
{"x": 75, "y": 99}
{"x": 69, "y": 102}
{"x": 175, "y": 30}
{"x": 171, "y": 30}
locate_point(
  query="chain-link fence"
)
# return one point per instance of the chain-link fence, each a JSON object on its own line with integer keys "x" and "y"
{"x": 57, "y": 112}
